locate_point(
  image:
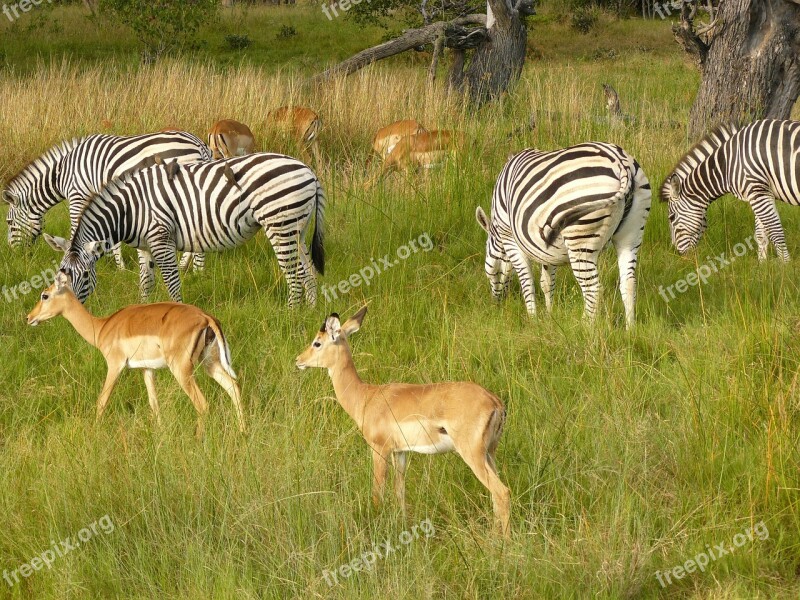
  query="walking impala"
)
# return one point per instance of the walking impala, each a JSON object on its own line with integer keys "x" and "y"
{"x": 149, "y": 337}
{"x": 424, "y": 149}
{"x": 229, "y": 138}
{"x": 304, "y": 125}
{"x": 398, "y": 418}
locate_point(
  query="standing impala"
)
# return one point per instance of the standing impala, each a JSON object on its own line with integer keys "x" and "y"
{"x": 304, "y": 125}
{"x": 229, "y": 138}
{"x": 398, "y": 418}
{"x": 387, "y": 137}
{"x": 149, "y": 337}
{"x": 424, "y": 149}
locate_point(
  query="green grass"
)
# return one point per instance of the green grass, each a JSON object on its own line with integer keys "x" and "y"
{"x": 626, "y": 452}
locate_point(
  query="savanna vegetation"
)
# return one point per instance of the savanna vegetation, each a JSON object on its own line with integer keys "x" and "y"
{"x": 627, "y": 452}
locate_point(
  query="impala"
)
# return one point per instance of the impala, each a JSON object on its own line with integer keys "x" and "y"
{"x": 398, "y": 418}
{"x": 149, "y": 337}
{"x": 229, "y": 138}
{"x": 387, "y": 137}
{"x": 304, "y": 125}
{"x": 424, "y": 149}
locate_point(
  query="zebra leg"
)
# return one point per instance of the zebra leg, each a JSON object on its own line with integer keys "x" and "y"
{"x": 626, "y": 261}
{"x": 187, "y": 260}
{"x": 584, "y": 266}
{"x": 163, "y": 250}
{"x": 762, "y": 240}
{"x": 523, "y": 268}
{"x": 286, "y": 248}
{"x": 547, "y": 281}
{"x": 199, "y": 262}
{"x": 146, "y": 276}
{"x": 767, "y": 214}
{"x": 307, "y": 276}
{"x": 117, "y": 250}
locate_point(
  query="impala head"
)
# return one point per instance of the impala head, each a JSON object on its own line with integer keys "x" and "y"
{"x": 687, "y": 215}
{"x": 498, "y": 267}
{"x": 53, "y": 299}
{"x": 329, "y": 341}
{"x": 79, "y": 263}
{"x": 23, "y": 227}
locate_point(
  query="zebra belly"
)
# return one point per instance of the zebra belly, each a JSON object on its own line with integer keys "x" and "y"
{"x": 211, "y": 239}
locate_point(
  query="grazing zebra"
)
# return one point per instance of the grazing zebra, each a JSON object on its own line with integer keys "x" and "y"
{"x": 204, "y": 206}
{"x": 757, "y": 163}
{"x": 77, "y": 169}
{"x": 563, "y": 207}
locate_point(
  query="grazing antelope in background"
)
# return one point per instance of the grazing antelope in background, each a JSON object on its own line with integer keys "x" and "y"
{"x": 425, "y": 149}
{"x": 229, "y": 138}
{"x": 398, "y": 418}
{"x": 304, "y": 124}
{"x": 387, "y": 137}
{"x": 149, "y": 337}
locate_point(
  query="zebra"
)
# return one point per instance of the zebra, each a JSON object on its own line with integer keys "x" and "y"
{"x": 564, "y": 207}
{"x": 78, "y": 168}
{"x": 758, "y": 163}
{"x": 200, "y": 207}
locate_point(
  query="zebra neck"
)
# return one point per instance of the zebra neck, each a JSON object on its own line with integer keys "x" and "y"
{"x": 709, "y": 180}
{"x": 102, "y": 220}
{"x": 87, "y": 326}
{"x": 348, "y": 386}
{"x": 53, "y": 179}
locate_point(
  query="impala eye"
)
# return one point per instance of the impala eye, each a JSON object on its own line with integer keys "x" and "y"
{"x": 317, "y": 344}
{"x": 45, "y": 295}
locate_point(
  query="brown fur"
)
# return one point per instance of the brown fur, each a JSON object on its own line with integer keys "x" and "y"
{"x": 304, "y": 125}
{"x": 229, "y": 138}
{"x": 425, "y": 149}
{"x": 386, "y": 138}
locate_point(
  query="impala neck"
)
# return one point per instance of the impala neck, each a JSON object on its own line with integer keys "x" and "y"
{"x": 348, "y": 385}
{"x": 84, "y": 323}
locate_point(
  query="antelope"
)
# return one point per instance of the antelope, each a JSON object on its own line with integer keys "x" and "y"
{"x": 398, "y": 418}
{"x": 229, "y": 138}
{"x": 387, "y": 137}
{"x": 304, "y": 125}
{"x": 424, "y": 149}
{"x": 149, "y": 337}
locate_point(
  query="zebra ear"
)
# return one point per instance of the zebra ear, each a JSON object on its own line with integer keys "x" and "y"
{"x": 58, "y": 244}
{"x": 8, "y": 198}
{"x": 96, "y": 249}
{"x": 674, "y": 187}
{"x": 483, "y": 220}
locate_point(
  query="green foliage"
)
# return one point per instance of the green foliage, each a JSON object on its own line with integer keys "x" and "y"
{"x": 286, "y": 32}
{"x": 237, "y": 42}
{"x": 162, "y": 26}
{"x": 584, "y": 18}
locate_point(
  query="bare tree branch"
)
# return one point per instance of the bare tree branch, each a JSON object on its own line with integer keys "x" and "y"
{"x": 687, "y": 36}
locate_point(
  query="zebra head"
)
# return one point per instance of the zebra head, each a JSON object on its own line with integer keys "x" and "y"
{"x": 23, "y": 227}
{"x": 686, "y": 214}
{"x": 79, "y": 262}
{"x": 497, "y": 265}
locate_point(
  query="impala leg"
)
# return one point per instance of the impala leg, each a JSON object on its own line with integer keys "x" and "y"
{"x": 150, "y": 384}
{"x": 379, "y": 469}
{"x": 114, "y": 371}
{"x": 547, "y": 281}
{"x": 400, "y": 460}
{"x": 231, "y": 386}
{"x": 146, "y": 275}
{"x": 584, "y": 266}
{"x": 183, "y": 373}
{"x": 479, "y": 461}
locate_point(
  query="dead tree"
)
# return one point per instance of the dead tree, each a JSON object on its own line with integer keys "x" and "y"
{"x": 497, "y": 40}
{"x": 749, "y": 59}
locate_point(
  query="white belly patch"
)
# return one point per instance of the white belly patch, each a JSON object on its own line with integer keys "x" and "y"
{"x": 445, "y": 444}
{"x": 151, "y": 363}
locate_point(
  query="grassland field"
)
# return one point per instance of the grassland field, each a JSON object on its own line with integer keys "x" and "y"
{"x": 627, "y": 453}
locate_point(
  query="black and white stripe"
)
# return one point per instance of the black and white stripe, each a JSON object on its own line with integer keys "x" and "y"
{"x": 564, "y": 207}
{"x": 205, "y": 206}
{"x": 758, "y": 163}
{"x": 77, "y": 169}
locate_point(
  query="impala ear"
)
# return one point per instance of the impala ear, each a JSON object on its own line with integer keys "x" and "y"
{"x": 333, "y": 326}
{"x": 58, "y": 244}
{"x": 353, "y": 324}
{"x": 63, "y": 280}
{"x": 483, "y": 220}
{"x": 96, "y": 249}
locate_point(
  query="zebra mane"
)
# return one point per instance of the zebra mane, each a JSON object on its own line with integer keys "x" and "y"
{"x": 47, "y": 159}
{"x": 698, "y": 153}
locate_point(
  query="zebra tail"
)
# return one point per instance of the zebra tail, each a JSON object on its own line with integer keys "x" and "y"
{"x": 550, "y": 232}
{"x": 318, "y": 241}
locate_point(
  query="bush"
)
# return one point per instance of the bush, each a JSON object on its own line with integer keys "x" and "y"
{"x": 162, "y": 26}
{"x": 286, "y": 32}
{"x": 237, "y": 42}
{"x": 584, "y": 18}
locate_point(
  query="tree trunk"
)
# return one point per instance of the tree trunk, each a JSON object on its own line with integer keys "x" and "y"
{"x": 749, "y": 62}
{"x": 498, "y": 61}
